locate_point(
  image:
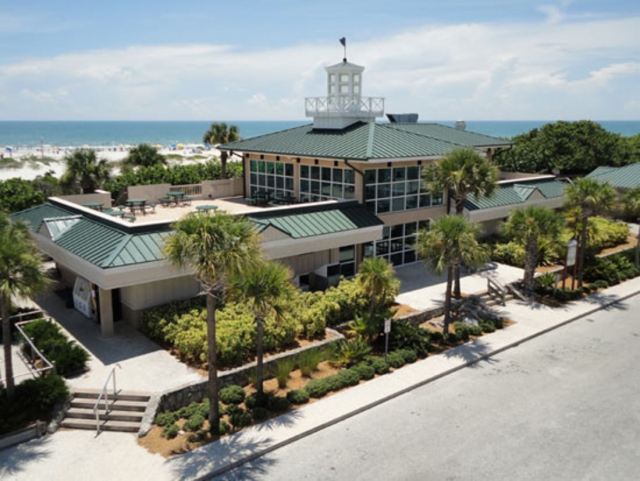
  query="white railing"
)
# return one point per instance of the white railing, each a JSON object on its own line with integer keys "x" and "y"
{"x": 188, "y": 189}
{"x": 344, "y": 104}
{"x": 105, "y": 392}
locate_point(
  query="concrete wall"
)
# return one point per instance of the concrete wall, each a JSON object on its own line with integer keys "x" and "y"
{"x": 151, "y": 294}
{"x": 150, "y": 192}
{"x": 104, "y": 197}
{"x": 216, "y": 189}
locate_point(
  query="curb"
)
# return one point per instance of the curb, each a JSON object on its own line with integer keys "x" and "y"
{"x": 224, "y": 469}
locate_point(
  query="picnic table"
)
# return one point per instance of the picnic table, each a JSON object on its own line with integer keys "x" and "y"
{"x": 94, "y": 205}
{"x": 176, "y": 196}
{"x": 206, "y": 208}
{"x": 139, "y": 204}
{"x": 114, "y": 212}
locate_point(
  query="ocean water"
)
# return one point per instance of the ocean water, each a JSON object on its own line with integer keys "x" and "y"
{"x": 115, "y": 133}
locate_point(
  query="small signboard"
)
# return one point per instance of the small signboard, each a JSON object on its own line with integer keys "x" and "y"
{"x": 387, "y": 326}
{"x": 572, "y": 248}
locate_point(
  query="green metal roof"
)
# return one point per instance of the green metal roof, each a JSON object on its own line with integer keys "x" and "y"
{"x": 518, "y": 193}
{"x": 365, "y": 141}
{"x": 626, "y": 177}
{"x": 109, "y": 245}
{"x": 317, "y": 220}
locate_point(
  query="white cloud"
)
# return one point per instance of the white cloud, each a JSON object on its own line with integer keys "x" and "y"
{"x": 474, "y": 71}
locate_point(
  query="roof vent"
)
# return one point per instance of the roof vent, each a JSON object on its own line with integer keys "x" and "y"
{"x": 403, "y": 118}
{"x": 461, "y": 125}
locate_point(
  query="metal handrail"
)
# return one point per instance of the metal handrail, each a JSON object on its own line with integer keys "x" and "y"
{"x": 494, "y": 285}
{"x": 106, "y": 396}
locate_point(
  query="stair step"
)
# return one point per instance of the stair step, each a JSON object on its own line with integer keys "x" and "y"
{"x": 117, "y": 405}
{"x": 123, "y": 395}
{"x": 78, "y": 413}
{"x": 122, "y": 426}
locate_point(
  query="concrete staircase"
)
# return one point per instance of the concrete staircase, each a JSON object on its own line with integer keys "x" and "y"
{"x": 492, "y": 299}
{"x": 124, "y": 413}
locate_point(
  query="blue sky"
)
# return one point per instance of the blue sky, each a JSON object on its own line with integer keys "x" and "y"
{"x": 257, "y": 60}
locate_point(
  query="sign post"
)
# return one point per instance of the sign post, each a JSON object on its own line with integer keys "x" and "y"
{"x": 572, "y": 248}
{"x": 387, "y": 330}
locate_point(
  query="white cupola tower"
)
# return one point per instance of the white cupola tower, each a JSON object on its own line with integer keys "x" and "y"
{"x": 344, "y": 104}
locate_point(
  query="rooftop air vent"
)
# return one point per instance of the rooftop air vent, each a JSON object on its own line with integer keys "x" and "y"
{"x": 403, "y": 118}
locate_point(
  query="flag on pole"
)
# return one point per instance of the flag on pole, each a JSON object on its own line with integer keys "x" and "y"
{"x": 343, "y": 41}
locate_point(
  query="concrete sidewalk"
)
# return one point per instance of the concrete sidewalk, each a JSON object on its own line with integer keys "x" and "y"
{"x": 117, "y": 456}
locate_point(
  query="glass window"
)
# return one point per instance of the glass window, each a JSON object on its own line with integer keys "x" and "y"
{"x": 315, "y": 172}
{"x": 344, "y": 89}
{"x": 425, "y": 200}
{"x": 412, "y": 202}
{"x": 413, "y": 173}
{"x": 370, "y": 191}
{"x": 410, "y": 228}
{"x": 344, "y": 77}
{"x": 304, "y": 171}
{"x": 384, "y": 175}
{"x": 398, "y": 189}
{"x": 349, "y": 192}
{"x": 384, "y": 190}
{"x": 397, "y": 204}
{"x": 370, "y": 176}
{"x": 382, "y": 248}
{"x": 347, "y": 253}
{"x": 409, "y": 257}
{"x": 356, "y": 77}
{"x": 356, "y": 89}
{"x": 413, "y": 187}
{"x": 384, "y": 206}
{"x": 397, "y": 230}
{"x": 349, "y": 176}
{"x": 399, "y": 174}
{"x": 288, "y": 170}
{"x": 279, "y": 168}
{"x": 337, "y": 175}
{"x": 326, "y": 174}
{"x": 424, "y": 224}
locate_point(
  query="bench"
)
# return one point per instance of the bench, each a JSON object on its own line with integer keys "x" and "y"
{"x": 165, "y": 201}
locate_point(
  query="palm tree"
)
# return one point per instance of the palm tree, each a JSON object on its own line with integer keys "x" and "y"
{"x": 144, "y": 155}
{"x": 462, "y": 173}
{"x": 264, "y": 288}
{"x": 85, "y": 172}
{"x": 451, "y": 242}
{"x": 592, "y": 197}
{"x": 631, "y": 206}
{"x": 220, "y": 133}
{"x": 377, "y": 279}
{"x": 530, "y": 227}
{"x": 216, "y": 247}
{"x": 20, "y": 275}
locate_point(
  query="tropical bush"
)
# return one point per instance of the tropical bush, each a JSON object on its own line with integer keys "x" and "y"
{"x": 34, "y": 399}
{"x": 605, "y": 233}
{"x": 350, "y": 352}
{"x": 233, "y": 394}
{"x": 17, "y": 194}
{"x": 67, "y": 356}
{"x": 308, "y": 360}
{"x": 298, "y": 396}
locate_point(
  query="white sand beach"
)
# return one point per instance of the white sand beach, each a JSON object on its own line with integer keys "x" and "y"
{"x": 30, "y": 162}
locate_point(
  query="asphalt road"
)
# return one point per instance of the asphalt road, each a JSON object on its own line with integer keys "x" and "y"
{"x": 563, "y": 406}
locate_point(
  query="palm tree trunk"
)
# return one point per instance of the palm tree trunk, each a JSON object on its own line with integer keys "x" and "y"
{"x": 259, "y": 355}
{"x": 583, "y": 248}
{"x": 447, "y": 301}
{"x": 456, "y": 289}
{"x": 212, "y": 385}
{"x": 6, "y": 341}
{"x": 223, "y": 164}
{"x": 530, "y": 264}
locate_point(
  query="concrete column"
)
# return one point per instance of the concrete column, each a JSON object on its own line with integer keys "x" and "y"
{"x": 106, "y": 312}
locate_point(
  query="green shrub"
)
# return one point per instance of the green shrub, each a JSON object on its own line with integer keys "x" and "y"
{"x": 379, "y": 365}
{"x": 406, "y": 335}
{"x": 462, "y": 330}
{"x": 605, "y": 233}
{"x": 546, "y": 280}
{"x": 435, "y": 336}
{"x": 308, "y": 360}
{"x": 317, "y": 388}
{"x": 451, "y": 338}
{"x": 278, "y": 404}
{"x": 233, "y": 394}
{"x": 224, "y": 428}
{"x": 348, "y": 353}
{"x": 68, "y": 356}
{"x": 170, "y": 431}
{"x": 395, "y": 360}
{"x": 259, "y": 413}
{"x": 186, "y": 412}
{"x": 364, "y": 370}
{"x": 166, "y": 418}
{"x": 198, "y": 437}
{"x": 510, "y": 253}
{"x": 475, "y": 331}
{"x": 298, "y": 396}
{"x": 255, "y": 400}
{"x": 408, "y": 355}
{"x": 241, "y": 419}
{"x": 194, "y": 423}
{"x": 348, "y": 377}
{"x": 487, "y": 327}
{"x": 283, "y": 370}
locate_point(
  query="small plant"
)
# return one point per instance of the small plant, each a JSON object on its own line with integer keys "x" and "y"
{"x": 233, "y": 394}
{"x": 194, "y": 423}
{"x": 298, "y": 396}
{"x": 475, "y": 331}
{"x": 170, "y": 431}
{"x": 187, "y": 411}
{"x": 379, "y": 365}
{"x": 255, "y": 400}
{"x": 259, "y": 413}
{"x": 408, "y": 355}
{"x": 278, "y": 404}
{"x": 308, "y": 361}
{"x": 435, "y": 336}
{"x": 224, "y": 428}
{"x": 405, "y": 335}
{"x": 364, "y": 370}
{"x": 351, "y": 352}
{"x": 166, "y": 418}
{"x": 546, "y": 280}
{"x": 462, "y": 330}
{"x": 317, "y": 388}
{"x": 198, "y": 437}
{"x": 452, "y": 338}
{"x": 395, "y": 360}
{"x": 283, "y": 371}
{"x": 348, "y": 377}
{"x": 487, "y": 327}
{"x": 241, "y": 419}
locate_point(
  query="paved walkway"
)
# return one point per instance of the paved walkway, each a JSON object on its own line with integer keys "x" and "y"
{"x": 117, "y": 456}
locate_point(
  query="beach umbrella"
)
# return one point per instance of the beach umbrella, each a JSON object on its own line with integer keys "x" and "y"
{"x": 173, "y": 146}
{"x": 180, "y": 146}
{"x": 207, "y": 145}
{"x": 9, "y": 149}
{"x": 158, "y": 146}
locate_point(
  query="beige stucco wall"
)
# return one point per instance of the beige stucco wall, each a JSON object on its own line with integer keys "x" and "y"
{"x": 143, "y": 296}
{"x": 415, "y": 215}
{"x": 216, "y": 189}
{"x": 307, "y": 263}
{"x": 150, "y": 192}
